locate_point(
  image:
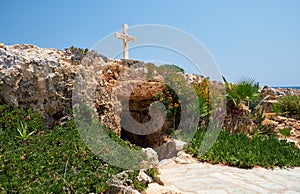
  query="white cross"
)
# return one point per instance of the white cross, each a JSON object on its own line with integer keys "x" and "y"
{"x": 125, "y": 38}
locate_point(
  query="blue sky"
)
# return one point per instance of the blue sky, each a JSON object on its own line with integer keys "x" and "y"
{"x": 257, "y": 38}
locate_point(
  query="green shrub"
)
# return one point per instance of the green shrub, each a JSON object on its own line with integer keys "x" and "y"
{"x": 167, "y": 69}
{"x": 276, "y": 108}
{"x": 203, "y": 105}
{"x": 81, "y": 50}
{"x": 289, "y": 105}
{"x": 285, "y": 131}
{"x": 51, "y": 160}
{"x": 150, "y": 67}
{"x": 241, "y": 151}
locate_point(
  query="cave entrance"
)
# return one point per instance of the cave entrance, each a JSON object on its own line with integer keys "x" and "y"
{"x": 139, "y": 110}
{"x": 138, "y": 106}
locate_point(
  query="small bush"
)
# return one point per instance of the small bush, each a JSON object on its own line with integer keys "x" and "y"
{"x": 285, "y": 131}
{"x": 203, "y": 103}
{"x": 75, "y": 49}
{"x": 150, "y": 67}
{"x": 244, "y": 92}
{"x": 289, "y": 105}
{"x": 169, "y": 69}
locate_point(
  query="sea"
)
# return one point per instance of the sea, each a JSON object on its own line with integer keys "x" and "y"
{"x": 292, "y": 87}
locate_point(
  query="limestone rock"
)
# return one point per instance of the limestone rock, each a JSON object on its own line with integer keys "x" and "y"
{"x": 184, "y": 158}
{"x": 170, "y": 149}
{"x": 43, "y": 79}
{"x": 143, "y": 177}
{"x": 193, "y": 78}
{"x": 53, "y": 81}
{"x": 280, "y": 122}
{"x": 39, "y": 78}
{"x": 156, "y": 188}
{"x": 268, "y": 122}
{"x": 152, "y": 155}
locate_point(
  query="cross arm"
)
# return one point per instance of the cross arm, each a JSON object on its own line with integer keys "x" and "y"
{"x": 124, "y": 37}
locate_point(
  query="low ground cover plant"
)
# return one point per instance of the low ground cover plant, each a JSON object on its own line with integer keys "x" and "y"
{"x": 246, "y": 152}
{"x": 51, "y": 160}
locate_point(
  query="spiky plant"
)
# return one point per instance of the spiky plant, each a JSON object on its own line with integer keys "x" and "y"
{"x": 244, "y": 92}
{"x": 242, "y": 100}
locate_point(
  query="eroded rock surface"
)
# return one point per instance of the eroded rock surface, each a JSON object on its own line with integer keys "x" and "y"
{"x": 49, "y": 80}
{"x": 39, "y": 78}
{"x": 278, "y": 122}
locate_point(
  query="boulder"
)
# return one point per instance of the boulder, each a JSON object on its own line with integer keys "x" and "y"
{"x": 170, "y": 149}
{"x": 143, "y": 177}
{"x": 152, "y": 155}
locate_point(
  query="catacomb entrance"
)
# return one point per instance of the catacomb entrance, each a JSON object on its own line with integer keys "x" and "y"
{"x": 139, "y": 103}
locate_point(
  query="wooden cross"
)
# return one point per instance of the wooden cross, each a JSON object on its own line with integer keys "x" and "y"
{"x": 125, "y": 38}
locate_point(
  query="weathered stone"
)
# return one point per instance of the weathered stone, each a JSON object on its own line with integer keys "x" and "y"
{"x": 43, "y": 79}
{"x": 170, "y": 149}
{"x": 156, "y": 188}
{"x": 268, "y": 122}
{"x": 152, "y": 155}
{"x": 274, "y": 93}
{"x": 143, "y": 177}
{"x": 39, "y": 78}
{"x": 51, "y": 81}
{"x": 183, "y": 158}
{"x": 280, "y": 122}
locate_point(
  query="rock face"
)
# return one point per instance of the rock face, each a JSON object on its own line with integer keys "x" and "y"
{"x": 43, "y": 79}
{"x": 120, "y": 91}
{"x": 39, "y": 78}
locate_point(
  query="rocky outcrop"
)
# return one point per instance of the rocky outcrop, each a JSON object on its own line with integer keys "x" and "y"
{"x": 43, "y": 78}
{"x": 273, "y": 93}
{"x": 278, "y": 122}
{"x": 48, "y": 80}
{"x": 39, "y": 78}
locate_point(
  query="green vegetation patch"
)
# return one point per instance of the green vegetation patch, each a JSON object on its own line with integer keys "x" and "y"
{"x": 167, "y": 68}
{"x": 241, "y": 151}
{"x": 288, "y": 105}
{"x": 51, "y": 161}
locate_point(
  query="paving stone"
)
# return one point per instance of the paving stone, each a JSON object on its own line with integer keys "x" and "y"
{"x": 197, "y": 177}
{"x": 218, "y": 191}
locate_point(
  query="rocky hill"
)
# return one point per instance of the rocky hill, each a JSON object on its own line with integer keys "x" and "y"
{"x": 44, "y": 79}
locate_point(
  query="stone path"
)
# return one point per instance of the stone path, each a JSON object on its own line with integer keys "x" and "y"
{"x": 189, "y": 176}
